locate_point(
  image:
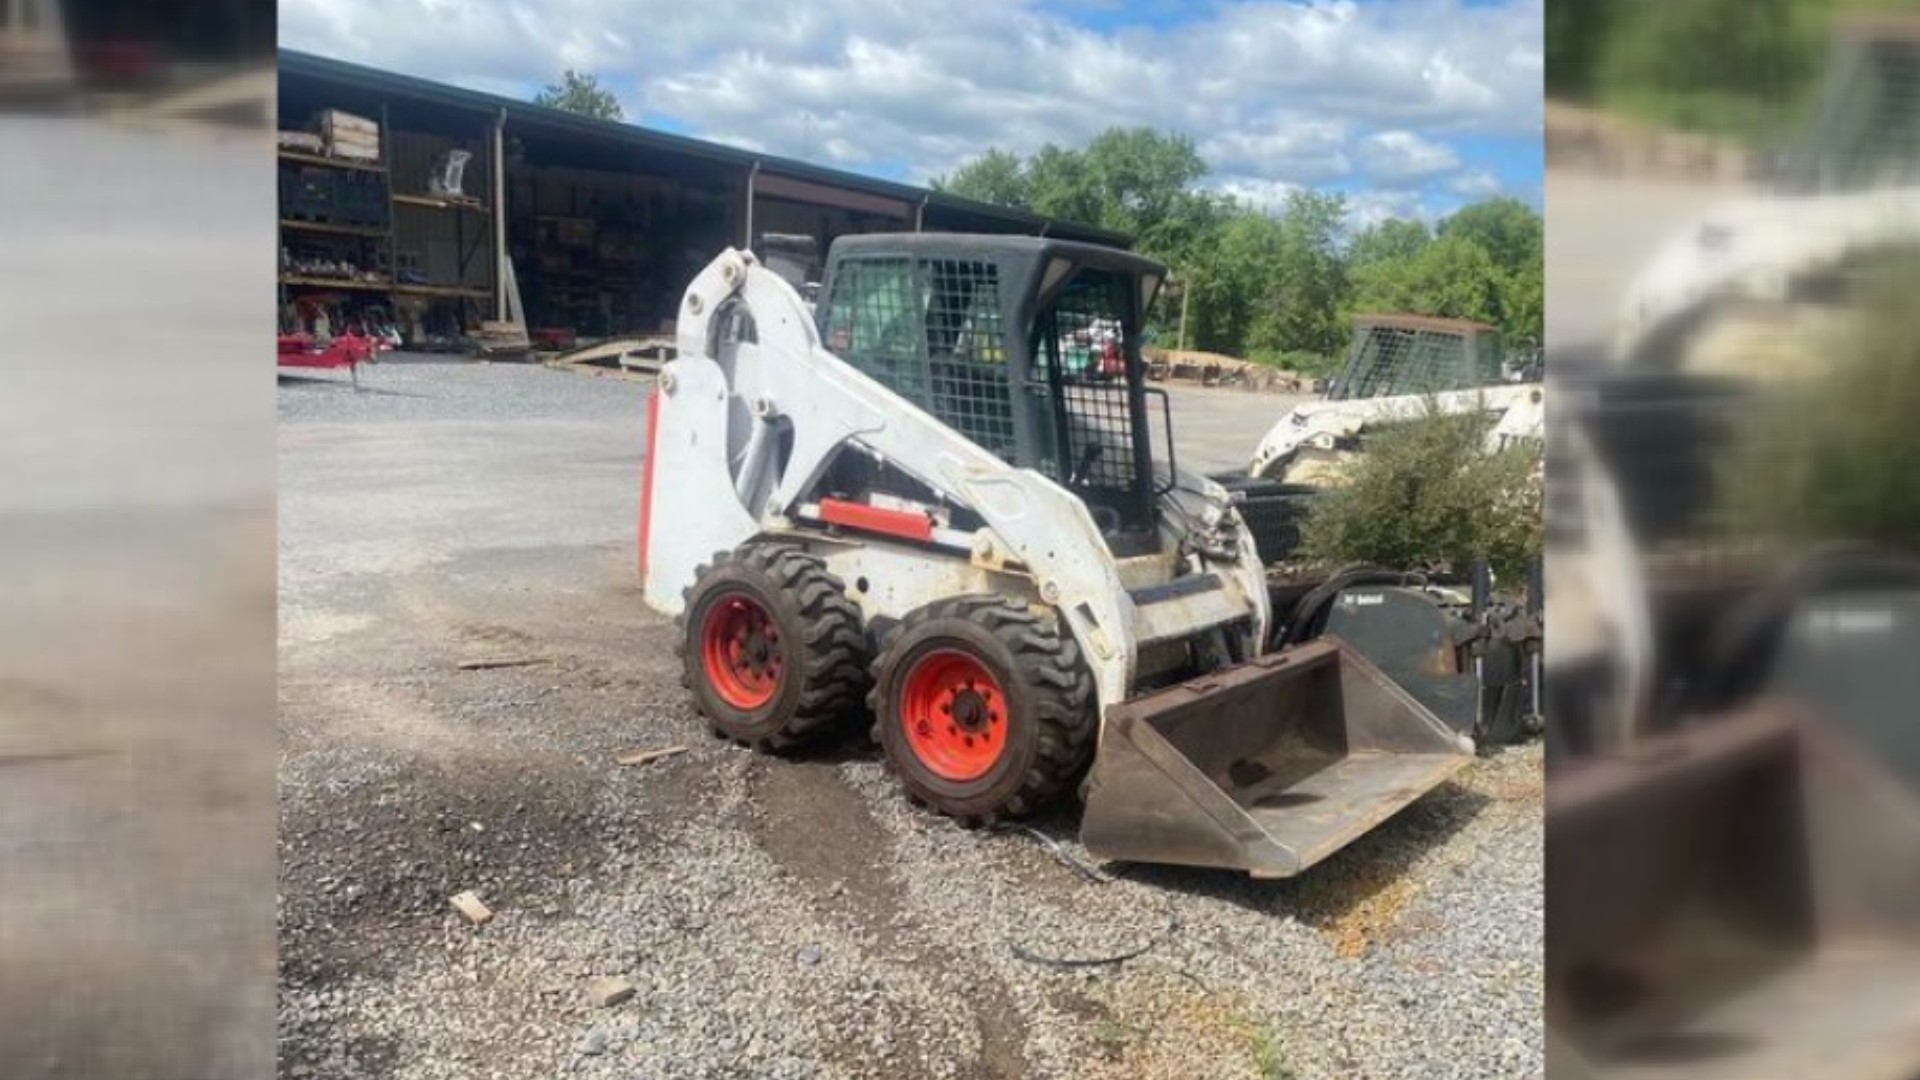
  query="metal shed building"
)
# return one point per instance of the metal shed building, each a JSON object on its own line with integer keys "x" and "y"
{"x": 597, "y": 225}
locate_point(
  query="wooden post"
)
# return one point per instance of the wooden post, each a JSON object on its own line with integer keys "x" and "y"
{"x": 500, "y": 216}
{"x": 747, "y": 240}
{"x": 1186, "y": 293}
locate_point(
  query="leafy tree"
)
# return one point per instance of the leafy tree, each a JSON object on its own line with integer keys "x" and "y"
{"x": 1576, "y": 33}
{"x": 1452, "y": 277}
{"x": 1523, "y": 303}
{"x": 1310, "y": 278}
{"x": 1387, "y": 241}
{"x": 1144, "y": 182}
{"x": 1509, "y": 229}
{"x": 1059, "y": 184}
{"x": 1275, "y": 286}
{"x": 996, "y": 177}
{"x": 1236, "y": 283}
{"x": 1132, "y": 180}
{"x": 581, "y": 93}
{"x": 1734, "y": 67}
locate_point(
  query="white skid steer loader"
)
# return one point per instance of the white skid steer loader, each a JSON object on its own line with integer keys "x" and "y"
{"x": 1756, "y": 287}
{"x": 1400, "y": 367}
{"x": 911, "y": 504}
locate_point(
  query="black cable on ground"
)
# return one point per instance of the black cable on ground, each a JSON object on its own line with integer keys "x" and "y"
{"x": 1075, "y": 962}
{"x": 1059, "y": 852}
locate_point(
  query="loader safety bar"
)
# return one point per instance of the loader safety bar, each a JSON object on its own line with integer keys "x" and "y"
{"x": 1166, "y": 417}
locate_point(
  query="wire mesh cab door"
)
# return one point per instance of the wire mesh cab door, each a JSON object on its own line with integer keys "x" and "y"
{"x": 1028, "y": 348}
{"x": 932, "y": 330}
{"x": 1410, "y": 355}
{"x": 1088, "y": 383}
{"x": 1865, "y": 130}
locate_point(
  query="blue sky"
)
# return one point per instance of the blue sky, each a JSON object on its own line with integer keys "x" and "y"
{"x": 1409, "y": 107}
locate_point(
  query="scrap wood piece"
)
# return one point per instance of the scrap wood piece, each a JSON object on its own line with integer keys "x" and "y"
{"x": 649, "y": 353}
{"x": 468, "y": 904}
{"x": 648, "y": 757}
{"x": 609, "y": 990}
{"x": 605, "y": 350}
{"x": 504, "y": 662}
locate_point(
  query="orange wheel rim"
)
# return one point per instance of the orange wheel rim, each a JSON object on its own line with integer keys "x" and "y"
{"x": 954, "y": 714}
{"x": 740, "y": 650}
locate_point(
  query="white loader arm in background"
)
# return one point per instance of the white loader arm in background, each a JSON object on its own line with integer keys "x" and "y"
{"x": 1756, "y": 249}
{"x": 1326, "y": 425}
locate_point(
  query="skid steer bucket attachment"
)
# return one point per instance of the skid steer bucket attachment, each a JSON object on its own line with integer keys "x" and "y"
{"x": 1739, "y": 900}
{"x": 1268, "y": 767}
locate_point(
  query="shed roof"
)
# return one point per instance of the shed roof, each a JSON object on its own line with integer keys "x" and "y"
{"x": 311, "y": 67}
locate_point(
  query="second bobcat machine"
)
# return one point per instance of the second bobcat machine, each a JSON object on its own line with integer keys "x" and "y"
{"x": 908, "y": 509}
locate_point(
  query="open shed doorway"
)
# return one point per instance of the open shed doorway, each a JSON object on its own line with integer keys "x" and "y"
{"x": 795, "y": 222}
{"x": 606, "y": 234}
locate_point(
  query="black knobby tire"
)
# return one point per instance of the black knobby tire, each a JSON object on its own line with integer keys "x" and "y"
{"x": 1050, "y": 713}
{"x": 816, "y": 640}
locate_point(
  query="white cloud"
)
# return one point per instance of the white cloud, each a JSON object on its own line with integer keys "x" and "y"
{"x": 1274, "y": 92}
{"x": 1305, "y": 150}
{"x": 1401, "y": 159}
{"x": 1260, "y": 193}
{"x": 1372, "y": 207}
{"x": 1475, "y": 184}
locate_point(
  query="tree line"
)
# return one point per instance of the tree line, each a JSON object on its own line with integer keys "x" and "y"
{"x": 1280, "y": 286}
{"x": 1745, "y": 68}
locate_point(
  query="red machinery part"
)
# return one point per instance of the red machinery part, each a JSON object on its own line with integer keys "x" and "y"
{"x": 954, "y": 713}
{"x": 902, "y": 523}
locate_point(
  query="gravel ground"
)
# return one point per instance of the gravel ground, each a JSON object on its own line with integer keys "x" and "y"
{"x": 776, "y": 918}
{"x": 136, "y": 608}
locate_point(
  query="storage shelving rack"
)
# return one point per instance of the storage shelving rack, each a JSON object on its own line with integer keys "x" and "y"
{"x": 374, "y": 247}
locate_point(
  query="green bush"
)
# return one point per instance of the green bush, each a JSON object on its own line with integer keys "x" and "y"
{"x": 1429, "y": 492}
{"x": 1838, "y": 459}
{"x": 1312, "y": 365}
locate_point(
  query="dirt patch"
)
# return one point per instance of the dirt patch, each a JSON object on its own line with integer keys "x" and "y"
{"x": 419, "y": 835}
{"x": 487, "y": 640}
{"x": 1353, "y": 931}
{"x": 818, "y": 829}
{"x": 1003, "y": 1037}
